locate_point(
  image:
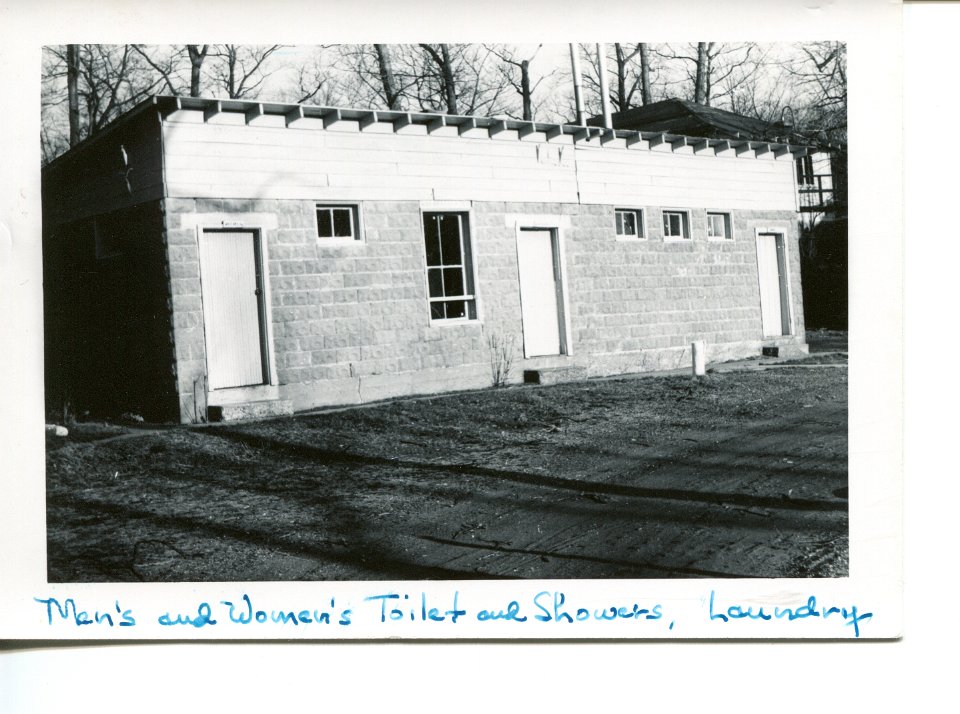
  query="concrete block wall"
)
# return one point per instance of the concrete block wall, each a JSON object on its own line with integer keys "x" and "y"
{"x": 350, "y": 321}
{"x": 186, "y": 304}
{"x": 636, "y": 305}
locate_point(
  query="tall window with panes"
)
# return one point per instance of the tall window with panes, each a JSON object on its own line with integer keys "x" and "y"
{"x": 449, "y": 266}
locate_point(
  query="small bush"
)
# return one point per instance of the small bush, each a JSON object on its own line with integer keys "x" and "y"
{"x": 501, "y": 357}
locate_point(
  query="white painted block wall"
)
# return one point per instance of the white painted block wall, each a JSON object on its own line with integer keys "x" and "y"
{"x": 267, "y": 161}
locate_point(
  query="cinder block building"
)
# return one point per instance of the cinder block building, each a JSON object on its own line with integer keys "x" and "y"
{"x": 213, "y": 259}
{"x": 821, "y": 191}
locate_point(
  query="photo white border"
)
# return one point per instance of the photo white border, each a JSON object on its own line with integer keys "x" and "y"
{"x": 872, "y": 31}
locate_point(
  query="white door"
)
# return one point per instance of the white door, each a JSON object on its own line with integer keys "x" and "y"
{"x": 232, "y": 315}
{"x": 774, "y": 304}
{"x": 541, "y": 296}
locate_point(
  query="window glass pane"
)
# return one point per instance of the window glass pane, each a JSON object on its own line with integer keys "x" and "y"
{"x": 342, "y": 223}
{"x": 467, "y": 256}
{"x": 629, "y": 223}
{"x": 435, "y": 279}
{"x": 672, "y": 225}
{"x": 324, "y": 223}
{"x": 456, "y": 309}
{"x": 436, "y": 311}
{"x": 450, "y": 240}
{"x": 717, "y": 225}
{"x": 432, "y": 239}
{"x": 619, "y": 223}
{"x": 453, "y": 282}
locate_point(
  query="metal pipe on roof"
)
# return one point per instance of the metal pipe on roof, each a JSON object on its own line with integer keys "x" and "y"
{"x": 577, "y": 84}
{"x": 604, "y": 88}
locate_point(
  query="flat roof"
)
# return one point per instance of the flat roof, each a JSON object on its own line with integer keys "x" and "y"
{"x": 292, "y": 113}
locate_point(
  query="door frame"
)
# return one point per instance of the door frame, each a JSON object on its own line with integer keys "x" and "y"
{"x": 261, "y": 266}
{"x": 786, "y": 292}
{"x": 554, "y": 224}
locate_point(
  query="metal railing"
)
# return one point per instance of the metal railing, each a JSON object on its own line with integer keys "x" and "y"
{"x": 818, "y": 195}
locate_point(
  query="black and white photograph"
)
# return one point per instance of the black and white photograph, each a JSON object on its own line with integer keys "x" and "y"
{"x": 473, "y": 323}
{"x": 445, "y": 311}
{"x": 362, "y": 353}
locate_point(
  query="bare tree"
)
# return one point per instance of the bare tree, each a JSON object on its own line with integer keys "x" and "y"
{"x": 460, "y": 79}
{"x": 320, "y": 80}
{"x": 819, "y": 78}
{"x": 170, "y": 62}
{"x": 242, "y": 69}
{"x": 646, "y": 95}
{"x": 377, "y": 75}
{"x": 390, "y": 92}
{"x": 97, "y": 83}
{"x": 197, "y": 54}
{"x": 110, "y": 79}
{"x": 445, "y": 64}
{"x": 516, "y": 72}
{"x": 73, "y": 101}
{"x": 701, "y": 82}
{"x": 165, "y": 61}
{"x": 710, "y": 73}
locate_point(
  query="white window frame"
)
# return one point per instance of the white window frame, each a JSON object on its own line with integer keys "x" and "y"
{"x": 684, "y": 225}
{"x": 469, "y": 272}
{"x": 356, "y": 223}
{"x": 802, "y": 174}
{"x": 640, "y": 218}
{"x": 727, "y": 226}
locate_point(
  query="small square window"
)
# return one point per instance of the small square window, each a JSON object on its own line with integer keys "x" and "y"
{"x": 676, "y": 225}
{"x": 718, "y": 226}
{"x": 629, "y": 222}
{"x": 338, "y": 222}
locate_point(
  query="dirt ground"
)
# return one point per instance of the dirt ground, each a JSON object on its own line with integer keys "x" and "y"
{"x": 740, "y": 474}
{"x": 824, "y": 340}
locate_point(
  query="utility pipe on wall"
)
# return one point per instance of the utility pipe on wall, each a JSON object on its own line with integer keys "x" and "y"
{"x": 604, "y": 88}
{"x": 577, "y": 86}
{"x": 699, "y": 351}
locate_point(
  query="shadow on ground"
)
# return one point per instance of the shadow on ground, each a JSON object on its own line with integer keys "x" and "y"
{"x": 740, "y": 475}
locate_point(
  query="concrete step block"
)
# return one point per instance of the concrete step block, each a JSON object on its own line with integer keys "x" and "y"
{"x": 554, "y": 375}
{"x": 245, "y": 411}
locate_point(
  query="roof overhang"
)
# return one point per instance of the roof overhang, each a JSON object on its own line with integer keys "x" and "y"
{"x": 165, "y": 106}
